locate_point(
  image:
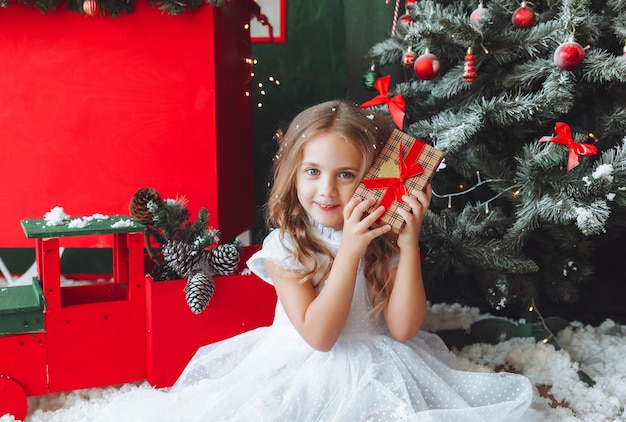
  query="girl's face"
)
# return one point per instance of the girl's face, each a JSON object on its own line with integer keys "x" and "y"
{"x": 327, "y": 178}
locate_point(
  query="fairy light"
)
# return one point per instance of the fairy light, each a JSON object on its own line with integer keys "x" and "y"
{"x": 262, "y": 89}
{"x": 513, "y": 189}
{"x": 550, "y": 336}
{"x": 582, "y": 374}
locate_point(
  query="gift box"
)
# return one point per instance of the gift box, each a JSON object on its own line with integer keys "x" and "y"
{"x": 404, "y": 163}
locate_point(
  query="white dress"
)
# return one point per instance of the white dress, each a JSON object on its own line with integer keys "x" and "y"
{"x": 271, "y": 374}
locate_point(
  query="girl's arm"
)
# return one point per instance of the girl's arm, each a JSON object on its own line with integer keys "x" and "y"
{"x": 406, "y": 308}
{"x": 320, "y": 318}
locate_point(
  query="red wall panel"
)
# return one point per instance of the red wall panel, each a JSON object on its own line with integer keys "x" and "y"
{"x": 91, "y": 109}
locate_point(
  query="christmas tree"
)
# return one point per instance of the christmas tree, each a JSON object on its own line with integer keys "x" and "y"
{"x": 528, "y": 101}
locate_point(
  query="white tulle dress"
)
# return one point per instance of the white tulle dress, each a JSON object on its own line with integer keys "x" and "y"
{"x": 272, "y": 374}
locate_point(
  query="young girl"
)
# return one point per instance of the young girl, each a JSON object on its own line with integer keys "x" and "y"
{"x": 346, "y": 343}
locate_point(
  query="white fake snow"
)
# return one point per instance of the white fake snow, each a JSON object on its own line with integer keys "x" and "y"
{"x": 55, "y": 216}
{"x": 598, "y": 350}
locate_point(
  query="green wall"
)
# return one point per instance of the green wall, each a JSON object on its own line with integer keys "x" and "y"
{"x": 323, "y": 59}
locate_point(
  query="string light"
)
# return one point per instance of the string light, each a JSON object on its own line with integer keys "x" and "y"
{"x": 480, "y": 183}
{"x": 550, "y": 336}
{"x": 582, "y": 374}
{"x": 262, "y": 89}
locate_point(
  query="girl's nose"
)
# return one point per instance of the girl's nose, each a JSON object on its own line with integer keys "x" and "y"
{"x": 328, "y": 186}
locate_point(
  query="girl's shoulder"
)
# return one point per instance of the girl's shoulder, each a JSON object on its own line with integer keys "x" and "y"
{"x": 276, "y": 250}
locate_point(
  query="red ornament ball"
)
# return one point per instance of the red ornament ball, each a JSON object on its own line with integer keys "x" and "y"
{"x": 427, "y": 66}
{"x": 523, "y": 17}
{"x": 91, "y": 8}
{"x": 569, "y": 56}
{"x": 406, "y": 19}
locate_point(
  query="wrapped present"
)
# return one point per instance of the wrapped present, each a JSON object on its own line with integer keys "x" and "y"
{"x": 404, "y": 164}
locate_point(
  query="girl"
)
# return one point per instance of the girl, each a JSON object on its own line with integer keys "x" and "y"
{"x": 345, "y": 344}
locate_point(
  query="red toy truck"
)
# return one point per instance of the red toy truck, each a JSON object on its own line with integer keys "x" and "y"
{"x": 56, "y": 338}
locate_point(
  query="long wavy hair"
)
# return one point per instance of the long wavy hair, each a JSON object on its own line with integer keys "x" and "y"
{"x": 368, "y": 132}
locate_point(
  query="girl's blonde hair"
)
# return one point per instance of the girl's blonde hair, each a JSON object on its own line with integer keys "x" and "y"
{"x": 367, "y": 131}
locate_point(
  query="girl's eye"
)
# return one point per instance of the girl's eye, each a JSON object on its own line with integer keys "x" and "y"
{"x": 312, "y": 172}
{"x": 346, "y": 175}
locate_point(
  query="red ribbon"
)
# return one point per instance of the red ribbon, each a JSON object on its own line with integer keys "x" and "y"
{"x": 396, "y": 104}
{"x": 395, "y": 185}
{"x": 564, "y": 137}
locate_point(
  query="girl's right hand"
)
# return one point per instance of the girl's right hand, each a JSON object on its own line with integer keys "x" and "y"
{"x": 356, "y": 228}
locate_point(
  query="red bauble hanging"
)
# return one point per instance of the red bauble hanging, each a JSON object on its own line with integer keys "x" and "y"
{"x": 469, "y": 69}
{"x": 478, "y": 16}
{"x": 407, "y": 2}
{"x": 405, "y": 19}
{"x": 91, "y": 8}
{"x": 569, "y": 56}
{"x": 427, "y": 66}
{"x": 408, "y": 60}
{"x": 523, "y": 17}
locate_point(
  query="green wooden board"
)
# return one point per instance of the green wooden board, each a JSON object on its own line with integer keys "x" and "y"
{"x": 21, "y": 308}
{"x": 81, "y": 226}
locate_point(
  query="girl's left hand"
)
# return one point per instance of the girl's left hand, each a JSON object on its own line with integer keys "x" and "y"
{"x": 419, "y": 201}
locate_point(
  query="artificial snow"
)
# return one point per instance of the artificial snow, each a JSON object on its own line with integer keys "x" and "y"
{"x": 604, "y": 171}
{"x": 554, "y": 371}
{"x": 123, "y": 223}
{"x": 56, "y": 216}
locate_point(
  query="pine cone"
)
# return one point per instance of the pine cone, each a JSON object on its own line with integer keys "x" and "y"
{"x": 199, "y": 291}
{"x": 138, "y": 207}
{"x": 224, "y": 259}
{"x": 164, "y": 272}
{"x": 185, "y": 258}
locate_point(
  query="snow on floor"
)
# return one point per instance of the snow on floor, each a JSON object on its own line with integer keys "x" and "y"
{"x": 599, "y": 351}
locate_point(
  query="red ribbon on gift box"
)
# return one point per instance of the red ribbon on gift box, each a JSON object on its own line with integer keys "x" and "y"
{"x": 396, "y": 104}
{"x": 564, "y": 137}
{"x": 395, "y": 185}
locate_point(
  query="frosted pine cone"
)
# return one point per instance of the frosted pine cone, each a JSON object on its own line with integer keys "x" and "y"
{"x": 185, "y": 258}
{"x": 224, "y": 259}
{"x": 199, "y": 291}
{"x": 164, "y": 272}
{"x": 138, "y": 207}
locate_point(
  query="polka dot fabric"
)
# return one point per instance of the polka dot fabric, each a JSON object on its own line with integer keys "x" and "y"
{"x": 270, "y": 374}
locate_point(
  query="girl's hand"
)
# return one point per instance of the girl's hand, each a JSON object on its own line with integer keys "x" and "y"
{"x": 419, "y": 201}
{"x": 356, "y": 228}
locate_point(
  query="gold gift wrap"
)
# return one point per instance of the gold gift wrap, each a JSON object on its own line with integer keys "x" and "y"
{"x": 404, "y": 164}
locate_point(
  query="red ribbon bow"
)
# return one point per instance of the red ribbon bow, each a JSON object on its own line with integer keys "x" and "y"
{"x": 395, "y": 185}
{"x": 564, "y": 137}
{"x": 396, "y": 104}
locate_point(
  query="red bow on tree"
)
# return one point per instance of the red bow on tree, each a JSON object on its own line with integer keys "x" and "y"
{"x": 396, "y": 104}
{"x": 564, "y": 137}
